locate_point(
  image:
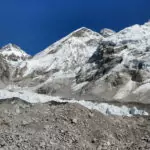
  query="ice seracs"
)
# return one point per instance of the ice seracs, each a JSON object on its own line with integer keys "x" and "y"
{"x": 105, "y": 108}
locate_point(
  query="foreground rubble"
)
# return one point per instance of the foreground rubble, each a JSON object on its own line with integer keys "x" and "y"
{"x": 69, "y": 126}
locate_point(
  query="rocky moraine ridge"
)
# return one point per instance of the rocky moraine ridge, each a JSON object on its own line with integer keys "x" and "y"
{"x": 88, "y": 90}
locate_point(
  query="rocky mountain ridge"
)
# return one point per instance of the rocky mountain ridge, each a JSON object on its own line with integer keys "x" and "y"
{"x": 86, "y": 65}
{"x": 13, "y": 53}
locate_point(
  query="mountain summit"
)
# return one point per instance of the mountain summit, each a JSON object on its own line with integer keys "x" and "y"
{"x": 107, "y": 32}
{"x": 12, "y": 52}
{"x": 79, "y": 38}
{"x": 87, "y": 65}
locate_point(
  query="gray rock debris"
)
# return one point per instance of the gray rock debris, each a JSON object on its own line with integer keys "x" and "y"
{"x": 68, "y": 126}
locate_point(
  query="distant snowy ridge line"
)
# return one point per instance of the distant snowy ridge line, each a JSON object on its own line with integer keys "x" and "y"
{"x": 83, "y": 65}
{"x": 105, "y": 108}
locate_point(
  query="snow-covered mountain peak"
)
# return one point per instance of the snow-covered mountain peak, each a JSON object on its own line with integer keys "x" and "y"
{"x": 147, "y": 23}
{"x": 136, "y": 37}
{"x": 12, "y": 48}
{"x": 83, "y": 31}
{"x": 78, "y": 38}
{"x": 67, "y": 54}
{"x": 9, "y": 46}
{"x": 107, "y": 32}
{"x": 87, "y": 64}
{"x": 12, "y": 52}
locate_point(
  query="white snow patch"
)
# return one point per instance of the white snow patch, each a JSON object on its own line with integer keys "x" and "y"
{"x": 109, "y": 109}
{"x": 104, "y": 108}
{"x": 27, "y": 96}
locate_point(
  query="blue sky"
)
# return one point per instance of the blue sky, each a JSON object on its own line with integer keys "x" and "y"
{"x": 35, "y": 24}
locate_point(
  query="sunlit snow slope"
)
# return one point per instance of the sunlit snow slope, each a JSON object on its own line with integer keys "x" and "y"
{"x": 104, "y": 66}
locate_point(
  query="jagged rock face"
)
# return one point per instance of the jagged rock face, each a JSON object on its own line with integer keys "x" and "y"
{"x": 13, "y": 54}
{"x": 104, "y": 61}
{"x": 107, "y": 32}
{"x": 135, "y": 58}
{"x": 4, "y": 72}
{"x": 125, "y": 75}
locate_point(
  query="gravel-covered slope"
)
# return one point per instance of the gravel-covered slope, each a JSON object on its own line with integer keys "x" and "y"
{"x": 68, "y": 126}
